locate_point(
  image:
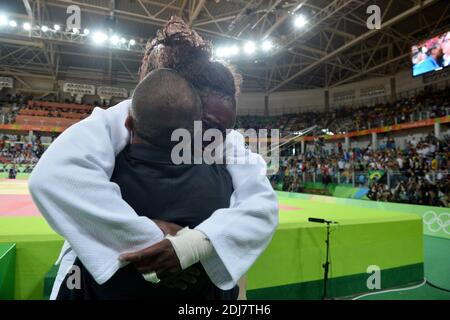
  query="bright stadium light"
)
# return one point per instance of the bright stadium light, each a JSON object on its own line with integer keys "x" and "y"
{"x": 13, "y": 24}
{"x": 267, "y": 45}
{"x": 114, "y": 39}
{"x": 86, "y": 32}
{"x": 26, "y": 26}
{"x": 56, "y": 27}
{"x": 221, "y": 52}
{"x": 328, "y": 132}
{"x": 123, "y": 40}
{"x": 3, "y": 20}
{"x": 44, "y": 28}
{"x": 300, "y": 21}
{"x": 250, "y": 48}
{"x": 234, "y": 50}
{"x": 132, "y": 42}
{"x": 99, "y": 37}
{"x": 226, "y": 52}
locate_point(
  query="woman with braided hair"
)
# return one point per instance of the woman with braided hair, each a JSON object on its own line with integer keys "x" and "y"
{"x": 87, "y": 208}
{"x": 180, "y": 48}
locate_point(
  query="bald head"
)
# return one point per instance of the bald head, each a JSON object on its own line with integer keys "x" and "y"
{"x": 163, "y": 102}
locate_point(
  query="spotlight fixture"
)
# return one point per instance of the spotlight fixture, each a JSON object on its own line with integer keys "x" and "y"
{"x": 26, "y": 26}
{"x": 250, "y": 48}
{"x": 114, "y": 39}
{"x": 220, "y": 52}
{"x": 86, "y": 32}
{"x": 56, "y": 27}
{"x": 132, "y": 42}
{"x": 99, "y": 37}
{"x": 3, "y": 20}
{"x": 44, "y": 28}
{"x": 226, "y": 52}
{"x": 234, "y": 50}
{"x": 300, "y": 21}
{"x": 13, "y": 24}
{"x": 267, "y": 45}
{"x": 123, "y": 40}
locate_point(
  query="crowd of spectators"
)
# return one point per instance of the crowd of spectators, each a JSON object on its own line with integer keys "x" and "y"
{"x": 346, "y": 119}
{"x": 338, "y": 120}
{"x": 55, "y": 112}
{"x": 13, "y": 105}
{"x": 10, "y": 107}
{"x": 416, "y": 174}
{"x": 17, "y": 153}
{"x": 15, "y": 150}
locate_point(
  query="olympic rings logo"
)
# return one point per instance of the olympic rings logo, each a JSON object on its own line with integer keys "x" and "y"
{"x": 436, "y": 223}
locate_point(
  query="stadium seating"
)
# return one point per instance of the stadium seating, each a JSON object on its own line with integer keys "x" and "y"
{"x": 57, "y": 105}
{"x": 45, "y": 121}
{"x": 45, "y": 113}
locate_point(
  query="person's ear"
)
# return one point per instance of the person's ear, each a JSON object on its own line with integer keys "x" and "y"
{"x": 129, "y": 124}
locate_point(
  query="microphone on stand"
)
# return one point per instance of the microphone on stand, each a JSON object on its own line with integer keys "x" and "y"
{"x": 319, "y": 220}
{"x": 326, "y": 265}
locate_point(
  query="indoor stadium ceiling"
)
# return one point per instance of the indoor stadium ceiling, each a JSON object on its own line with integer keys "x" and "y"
{"x": 333, "y": 48}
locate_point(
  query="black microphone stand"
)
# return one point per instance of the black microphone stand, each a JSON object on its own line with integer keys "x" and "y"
{"x": 326, "y": 265}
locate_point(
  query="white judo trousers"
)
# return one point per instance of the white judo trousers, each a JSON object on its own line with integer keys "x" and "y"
{"x": 71, "y": 187}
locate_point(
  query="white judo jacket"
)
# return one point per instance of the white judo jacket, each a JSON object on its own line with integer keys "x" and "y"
{"x": 71, "y": 187}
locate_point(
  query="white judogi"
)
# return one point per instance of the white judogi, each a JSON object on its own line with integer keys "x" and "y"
{"x": 71, "y": 187}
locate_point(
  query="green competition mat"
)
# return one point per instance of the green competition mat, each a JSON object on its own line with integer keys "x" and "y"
{"x": 290, "y": 268}
{"x": 7, "y": 270}
{"x": 37, "y": 248}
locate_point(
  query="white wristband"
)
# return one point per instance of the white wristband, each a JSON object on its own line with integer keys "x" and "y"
{"x": 191, "y": 246}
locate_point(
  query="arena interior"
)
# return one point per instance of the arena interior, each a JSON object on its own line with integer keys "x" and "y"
{"x": 362, "y": 106}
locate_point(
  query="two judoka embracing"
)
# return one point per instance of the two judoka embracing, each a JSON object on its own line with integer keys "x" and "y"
{"x": 137, "y": 225}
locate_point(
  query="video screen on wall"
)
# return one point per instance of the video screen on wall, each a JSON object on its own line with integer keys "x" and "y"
{"x": 431, "y": 55}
